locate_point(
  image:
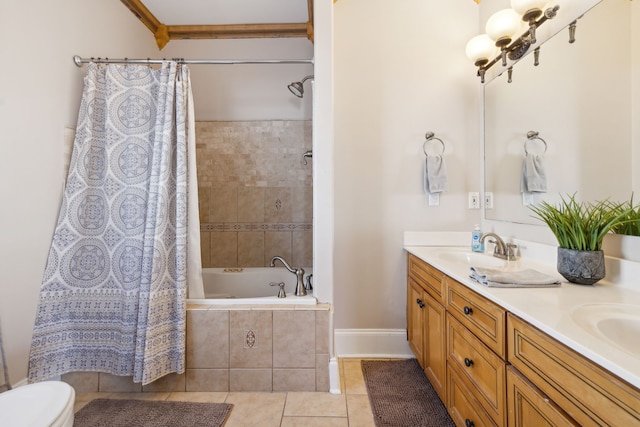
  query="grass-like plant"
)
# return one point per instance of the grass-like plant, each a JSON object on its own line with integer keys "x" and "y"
{"x": 630, "y": 224}
{"x": 581, "y": 225}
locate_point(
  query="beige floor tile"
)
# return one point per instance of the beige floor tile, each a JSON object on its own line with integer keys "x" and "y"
{"x": 292, "y": 409}
{"x": 201, "y": 397}
{"x": 359, "y": 410}
{"x": 353, "y": 379}
{"x": 87, "y": 397}
{"x": 315, "y": 422}
{"x": 255, "y": 409}
{"x": 314, "y": 404}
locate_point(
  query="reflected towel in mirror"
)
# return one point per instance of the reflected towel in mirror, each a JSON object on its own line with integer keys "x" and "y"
{"x": 534, "y": 174}
{"x": 527, "y": 278}
{"x": 435, "y": 174}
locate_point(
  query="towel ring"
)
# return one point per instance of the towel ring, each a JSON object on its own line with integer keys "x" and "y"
{"x": 531, "y": 135}
{"x": 430, "y": 136}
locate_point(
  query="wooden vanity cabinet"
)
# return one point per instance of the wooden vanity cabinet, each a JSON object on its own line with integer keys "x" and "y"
{"x": 426, "y": 320}
{"x": 491, "y": 368}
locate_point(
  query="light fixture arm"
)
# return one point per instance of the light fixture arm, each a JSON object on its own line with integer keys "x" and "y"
{"x": 572, "y": 31}
{"x": 515, "y": 49}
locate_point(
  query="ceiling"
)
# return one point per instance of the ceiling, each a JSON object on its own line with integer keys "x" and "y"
{"x": 212, "y": 19}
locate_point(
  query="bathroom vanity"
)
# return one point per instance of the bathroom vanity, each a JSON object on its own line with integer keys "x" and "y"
{"x": 519, "y": 357}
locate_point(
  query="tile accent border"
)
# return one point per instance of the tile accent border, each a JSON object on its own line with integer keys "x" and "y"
{"x": 245, "y": 226}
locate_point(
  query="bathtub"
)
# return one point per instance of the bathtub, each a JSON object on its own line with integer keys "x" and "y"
{"x": 232, "y": 286}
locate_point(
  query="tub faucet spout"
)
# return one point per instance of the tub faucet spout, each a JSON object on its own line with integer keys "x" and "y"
{"x": 298, "y": 271}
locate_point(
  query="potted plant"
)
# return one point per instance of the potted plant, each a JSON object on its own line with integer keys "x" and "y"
{"x": 580, "y": 228}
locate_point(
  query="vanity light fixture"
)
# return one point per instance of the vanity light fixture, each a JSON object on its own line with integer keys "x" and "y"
{"x": 502, "y": 39}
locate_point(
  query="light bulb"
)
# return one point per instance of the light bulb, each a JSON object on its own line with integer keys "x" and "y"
{"x": 502, "y": 26}
{"x": 481, "y": 49}
{"x": 525, "y": 8}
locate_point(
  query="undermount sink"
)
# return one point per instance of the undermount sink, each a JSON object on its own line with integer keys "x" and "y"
{"x": 618, "y": 324}
{"x": 472, "y": 259}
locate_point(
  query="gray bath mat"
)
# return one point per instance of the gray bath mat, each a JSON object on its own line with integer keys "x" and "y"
{"x": 151, "y": 413}
{"x": 401, "y": 395}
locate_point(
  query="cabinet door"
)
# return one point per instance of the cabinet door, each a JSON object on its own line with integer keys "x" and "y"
{"x": 435, "y": 351}
{"x": 415, "y": 320}
{"x": 528, "y": 407}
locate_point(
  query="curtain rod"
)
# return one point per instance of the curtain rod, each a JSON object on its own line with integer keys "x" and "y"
{"x": 79, "y": 61}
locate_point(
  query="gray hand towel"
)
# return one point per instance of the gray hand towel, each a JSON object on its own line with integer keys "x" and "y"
{"x": 534, "y": 174}
{"x": 527, "y": 278}
{"x": 435, "y": 174}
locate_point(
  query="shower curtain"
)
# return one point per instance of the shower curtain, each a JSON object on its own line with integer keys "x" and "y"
{"x": 126, "y": 245}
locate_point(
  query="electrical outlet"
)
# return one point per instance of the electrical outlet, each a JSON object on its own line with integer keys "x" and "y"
{"x": 488, "y": 200}
{"x": 434, "y": 199}
{"x": 474, "y": 200}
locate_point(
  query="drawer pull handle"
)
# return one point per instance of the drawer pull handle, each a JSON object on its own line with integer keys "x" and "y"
{"x": 420, "y": 303}
{"x": 468, "y": 362}
{"x": 468, "y": 423}
{"x": 467, "y": 310}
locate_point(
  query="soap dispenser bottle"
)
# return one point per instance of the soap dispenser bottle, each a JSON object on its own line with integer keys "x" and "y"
{"x": 476, "y": 245}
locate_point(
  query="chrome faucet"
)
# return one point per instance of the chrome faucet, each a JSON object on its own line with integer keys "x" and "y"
{"x": 299, "y": 272}
{"x": 501, "y": 249}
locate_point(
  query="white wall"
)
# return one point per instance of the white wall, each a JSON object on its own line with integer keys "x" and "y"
{"x": 399, "y": 71}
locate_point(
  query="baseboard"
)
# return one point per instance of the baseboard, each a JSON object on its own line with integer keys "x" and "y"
{"x": 372, "y": 343}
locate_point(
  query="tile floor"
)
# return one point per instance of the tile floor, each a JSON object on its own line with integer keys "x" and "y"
{"x": 286, "y": 409}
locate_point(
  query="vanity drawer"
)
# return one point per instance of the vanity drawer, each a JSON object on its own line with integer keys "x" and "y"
{"x": 430, "y": 278}
{"x": 481, "y": 316}
{"x": 463, "y": 408}
{"x": 482, "y": 370}
{"x": 588, "y": 393}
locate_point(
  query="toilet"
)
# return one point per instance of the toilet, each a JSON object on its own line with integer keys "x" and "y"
{"x": 43, "y": 404}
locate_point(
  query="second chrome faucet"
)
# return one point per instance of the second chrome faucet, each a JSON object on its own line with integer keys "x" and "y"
{"x": 298, "y": 271}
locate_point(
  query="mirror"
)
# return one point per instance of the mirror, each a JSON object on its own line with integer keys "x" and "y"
{"x": 579, "y": 99}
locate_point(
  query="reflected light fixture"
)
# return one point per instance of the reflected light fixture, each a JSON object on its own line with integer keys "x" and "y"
{"x": 509, "y": 34}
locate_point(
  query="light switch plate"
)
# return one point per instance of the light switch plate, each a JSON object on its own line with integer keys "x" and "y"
{"x": 488, "y": 200}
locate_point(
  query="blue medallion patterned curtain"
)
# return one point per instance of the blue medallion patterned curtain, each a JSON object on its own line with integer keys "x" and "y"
{"x": 113, "y": 296}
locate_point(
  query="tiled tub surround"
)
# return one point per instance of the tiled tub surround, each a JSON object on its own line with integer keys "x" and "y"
{"x": 240, "y": 348}
{"x": 255, "y": 192}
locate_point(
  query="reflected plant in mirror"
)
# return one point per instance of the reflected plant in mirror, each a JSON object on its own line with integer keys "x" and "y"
{"x": 630, "y": 224}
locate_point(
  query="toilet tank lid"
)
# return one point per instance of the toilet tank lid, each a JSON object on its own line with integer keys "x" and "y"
{"x": 35, "y": 404}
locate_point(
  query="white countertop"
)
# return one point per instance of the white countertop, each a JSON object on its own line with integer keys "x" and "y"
{"x": 553, "y": 310}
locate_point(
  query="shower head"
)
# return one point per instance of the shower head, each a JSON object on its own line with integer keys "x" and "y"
{"x": 297, "y": 88}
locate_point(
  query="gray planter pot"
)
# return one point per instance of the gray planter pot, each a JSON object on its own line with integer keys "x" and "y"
{"x": 582, "y": 267}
